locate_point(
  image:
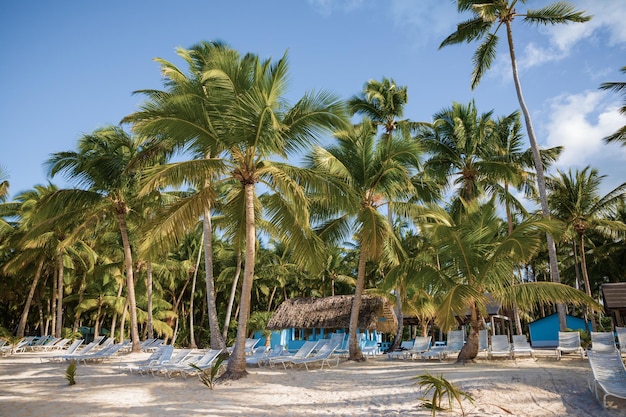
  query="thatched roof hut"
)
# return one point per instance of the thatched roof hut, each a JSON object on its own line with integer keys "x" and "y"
{"x": 331, "y": 313}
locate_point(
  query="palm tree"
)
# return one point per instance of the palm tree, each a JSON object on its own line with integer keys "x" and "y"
{"x": 362, "y": 175}
{"x": 383, "y": 103}
{"x": 247, "y": 122}
{"x": 476, "y": 261}
{"x": 105, "y": 165}
{"x": 575, "y": 200}
{"x": 618, "y": 87}
{"x": 488, "y": 15}
{"x": 181, "y": 118}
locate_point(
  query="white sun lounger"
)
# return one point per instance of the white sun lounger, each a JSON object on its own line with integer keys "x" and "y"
{"x": 607, "y": 374}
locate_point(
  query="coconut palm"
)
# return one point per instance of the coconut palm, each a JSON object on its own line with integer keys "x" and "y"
{"x": 362, "y": 175}
{"x": 575, "y": 199}
{"x": 105, "y": 165}
{"x": 476, "y": 261}
{"x": 488, "y": 17}
{"x": 248, "y": 122}
{"x": 618, "y": 87}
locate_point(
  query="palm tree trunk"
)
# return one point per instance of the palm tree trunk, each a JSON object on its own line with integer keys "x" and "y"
{"x": 217, "y": 342}
{"x": 237, "y": 361}
{"x": 130, "y": 283}
{"x": 81, "y": 294}
{"x": 149, "y": 324}
{"x": 398, "y": 340}
{"x": 59, "y": 322}
{"x": 583, "y": 267}
{"x": 192, "y": 335}
{"x": 52, "y": 306}
{"x": 541, "y": 182}
{"x": 114, "y": 319}
{"x": 469, "y": 351}
{"x": 354, "y": 349}
{"x": 29, "y": 299}
{"x": 231, "y": 299}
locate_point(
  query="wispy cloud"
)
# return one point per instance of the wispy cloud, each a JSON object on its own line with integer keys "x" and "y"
{"x": 608, "y": 20}
{"x": 579, "y": 122}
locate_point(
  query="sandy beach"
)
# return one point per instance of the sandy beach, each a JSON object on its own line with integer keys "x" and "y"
{"x": 377, "y": 387}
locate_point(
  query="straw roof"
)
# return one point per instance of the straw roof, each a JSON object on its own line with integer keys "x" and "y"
{"x": 334, "y": 313}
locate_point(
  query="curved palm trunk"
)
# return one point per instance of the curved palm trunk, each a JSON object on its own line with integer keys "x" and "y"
{"x": 149, "y": 324}
{"x": 59, "y": 320}
{"x": 29, "y": 299}
{"x": 237, "y": 361}
{"x": 81, "y": 295}
{"x": 469, "y": 351}
{"x": 130, "y": 283}
{"x": 192, "y": 333}
{"x": 354, "y": 349}
{"x": 217, "y": 342}
{"x": 397, "y": 341}
{"x": 231, "y": 299}
{"x": 583, "y": 267}
{"x": 541, "y": 182}
{"x": 114, "y": 319}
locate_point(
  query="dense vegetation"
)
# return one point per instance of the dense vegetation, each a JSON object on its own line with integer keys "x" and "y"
{"x": 188, "y": 218}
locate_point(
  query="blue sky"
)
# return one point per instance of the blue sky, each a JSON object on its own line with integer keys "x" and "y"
{"x": 70, "y": 67}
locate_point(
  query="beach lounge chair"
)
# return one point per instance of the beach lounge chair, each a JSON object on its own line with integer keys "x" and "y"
{"x": 204, "y": 362}
{"x": 58, "y": 345}
{"x": 500, "y": 346}
{"x": 421, "y": 344}
{"x": 82, "y": 352}
{"x": 521, "y": 346}
{"x": 569, "y": 342}
{"x": 402, "y": 352}
{"x": 305, "y": 350}
{"x": 621, "y": 338}
{"x": 73, "y": 347}
{"x": 324, "y": 355}
{"x": 161, "y": 354}
{"x": 169, "y": 357}
{"x": 607, "y": 373}
{"x": 483, "y": 341}
{"x": 455, "y": 342}
{"x": 603, "y": 342}
{"x": 258, "y": 356}
{"x": 170, "y": 366}
{"x": 368, "y": 347}
{"x": 100, "y": 355}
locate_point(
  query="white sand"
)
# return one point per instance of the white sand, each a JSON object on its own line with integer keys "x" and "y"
{"x": 378, "y": 387}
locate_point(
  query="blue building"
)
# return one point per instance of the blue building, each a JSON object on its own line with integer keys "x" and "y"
{"x": 300, "y": 319}
{"x": 545, "y": 332}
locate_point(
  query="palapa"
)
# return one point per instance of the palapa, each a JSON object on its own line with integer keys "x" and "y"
{"x": 334, "y": 313}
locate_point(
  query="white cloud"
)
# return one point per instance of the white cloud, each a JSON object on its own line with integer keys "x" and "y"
{"x": 579, "y": 122}
{"x": 608, "y": 20}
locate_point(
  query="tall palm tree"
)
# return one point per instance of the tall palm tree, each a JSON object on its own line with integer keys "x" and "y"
{"x": 362, "y": 175}
{"x": 383, "y": 103}
{"x": 476, "y": 261}
{"x": 618, "y": 87}
{"x": 105, "y": 164}
{"x": 575, "y": 199}
{"x": 247, "y": 124}
{"x": 488, "y": 17}
{"x": 181, "y": 119}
